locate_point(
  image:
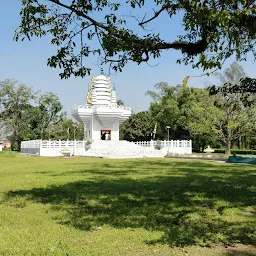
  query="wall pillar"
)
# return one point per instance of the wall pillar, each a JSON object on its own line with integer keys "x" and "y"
{"x": 85, "y": 132}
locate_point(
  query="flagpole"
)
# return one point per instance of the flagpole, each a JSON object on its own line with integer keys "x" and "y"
{"x": 154, "y": 131}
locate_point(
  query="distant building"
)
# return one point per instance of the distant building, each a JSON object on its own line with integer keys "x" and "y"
{"x": 6, "y": 143}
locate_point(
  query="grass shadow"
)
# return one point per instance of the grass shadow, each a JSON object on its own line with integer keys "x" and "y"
{"x": 239, "y": 252}
{"x": 190, "y": 205}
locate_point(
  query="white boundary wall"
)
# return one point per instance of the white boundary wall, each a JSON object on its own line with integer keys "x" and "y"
{"x": 52, "y": 147}
{"x": 78, "y": 148}
{"x": 172, "y": 146}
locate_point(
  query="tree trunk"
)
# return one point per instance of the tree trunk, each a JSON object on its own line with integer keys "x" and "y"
{"x": 240, "y": 142}
{"x": 227, "y": 148}
{"x": 228, "y": 143}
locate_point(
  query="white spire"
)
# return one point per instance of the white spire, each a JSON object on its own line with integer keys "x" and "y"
{"x": 113, "y": 97}
{"x": 100, "y": 91}
{"x": 94, "y": 98}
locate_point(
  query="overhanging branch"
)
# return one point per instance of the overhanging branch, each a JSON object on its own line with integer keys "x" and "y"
{"x": 186, "y": 47}
{"x": 164, "y": 7}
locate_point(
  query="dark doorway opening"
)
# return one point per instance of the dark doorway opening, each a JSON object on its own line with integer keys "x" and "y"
{"x": 105, "y": 134}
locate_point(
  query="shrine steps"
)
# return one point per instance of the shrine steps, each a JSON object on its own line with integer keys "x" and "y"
{"x": 121, "y": 149}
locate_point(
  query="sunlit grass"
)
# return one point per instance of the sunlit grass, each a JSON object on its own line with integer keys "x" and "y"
{"x": 82, "y": 206}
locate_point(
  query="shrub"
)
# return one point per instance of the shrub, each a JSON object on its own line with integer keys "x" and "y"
{"x": 88, "y": 142}
{"x": 158, "y": 145}
{"x": 8, "y": 152}
{"x": 237, "y": 151}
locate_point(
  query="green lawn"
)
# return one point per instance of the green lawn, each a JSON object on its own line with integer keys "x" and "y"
{"x": 144, "y": 207}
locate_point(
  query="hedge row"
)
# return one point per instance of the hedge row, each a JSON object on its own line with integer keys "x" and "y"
{"x": 237, "y": 151}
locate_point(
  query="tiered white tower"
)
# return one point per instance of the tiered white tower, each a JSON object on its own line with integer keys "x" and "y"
{"x": 101, "y": 115}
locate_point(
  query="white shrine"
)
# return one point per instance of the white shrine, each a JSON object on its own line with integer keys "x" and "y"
{"x": 101, "y": 115}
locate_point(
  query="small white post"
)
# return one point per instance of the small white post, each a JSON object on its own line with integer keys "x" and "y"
{"x": 40, "y": 147}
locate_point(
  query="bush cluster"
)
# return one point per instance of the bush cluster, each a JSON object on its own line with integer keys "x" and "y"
{"x": 237, "y": 151}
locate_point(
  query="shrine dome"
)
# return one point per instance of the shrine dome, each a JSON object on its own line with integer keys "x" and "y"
{"x": 100, "y": 91}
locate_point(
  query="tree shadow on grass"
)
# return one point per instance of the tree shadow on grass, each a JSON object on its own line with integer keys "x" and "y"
{"x": 188, "y": 208}
{"x": 145, "y": 167}
{"x": 239, "y": 252}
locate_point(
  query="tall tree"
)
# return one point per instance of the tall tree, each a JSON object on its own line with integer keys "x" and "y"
{"x": 161, "y": 89}
{"x": 15, "y": 102}
{"x": 221, "y": 117}
{"x": 232, "y": 74}
{"x": 138, "y": 127}
{"x": 170, "y": 107}
{"x": 231, "y": 77}
{"x": 234, "y": 80}
{"x": 49, "y": 107}
{"x": 26, "y": 113}
{"x": 225, "y": 115}
{"x": 213, "y": 31}
{"x": 65, "y": 129}
{"x": 166, "y": 111}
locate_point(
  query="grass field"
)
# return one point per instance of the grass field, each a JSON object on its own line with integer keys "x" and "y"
{"x": 82, "y": 206}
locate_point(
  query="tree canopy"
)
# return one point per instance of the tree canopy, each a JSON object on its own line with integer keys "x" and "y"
{"x": 138, "y": 127}
{"x": 65, "y": 129}
{"x": 235, "y": 81}
{"x": 212, "y": 31}
{"x": 25, "y": 113}
{"x": 226, "y": 115}
{"x": 226, "y": 119}
{"x": 170, "y": 107}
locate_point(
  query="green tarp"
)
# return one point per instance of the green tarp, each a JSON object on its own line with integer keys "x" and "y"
{"x": 241, "y": 159}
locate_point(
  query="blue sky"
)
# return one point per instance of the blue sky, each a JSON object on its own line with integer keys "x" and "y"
{"x": 27, "y": 62}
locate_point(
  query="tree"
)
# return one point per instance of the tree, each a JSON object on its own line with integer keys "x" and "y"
{"x": 65, "y": 129}
{"x": 245, "y": 86}
{"x": 138, "y": 127}
{"x": 166, "y": 110}
{"x": 221, "y": 117}
{"x": 161, "y": 88}
{"x": 14, "y": 102}
{"x": 225, "y": 115}
{"x": 25, "y": 113}
{"x": 234, "y": 80}
{"x": 213, "y": 31}
{"x": 49, "y": 107}
{"x": 170, "y": 108}
{"x": 120, "y": 103}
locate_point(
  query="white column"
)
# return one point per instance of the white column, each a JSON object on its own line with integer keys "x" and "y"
{"x": 74, "y": 147}
{"x": 40, "y": 147}
{"x": 85, "y": 132}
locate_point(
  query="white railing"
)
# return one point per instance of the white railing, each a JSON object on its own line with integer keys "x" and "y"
{"x": 102, "y": 106}
{"x": 53, "y": 147}
{"x": 79, "y": 148}
{"x": 172, "y": 146}
{"x": 144, "y": 143}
